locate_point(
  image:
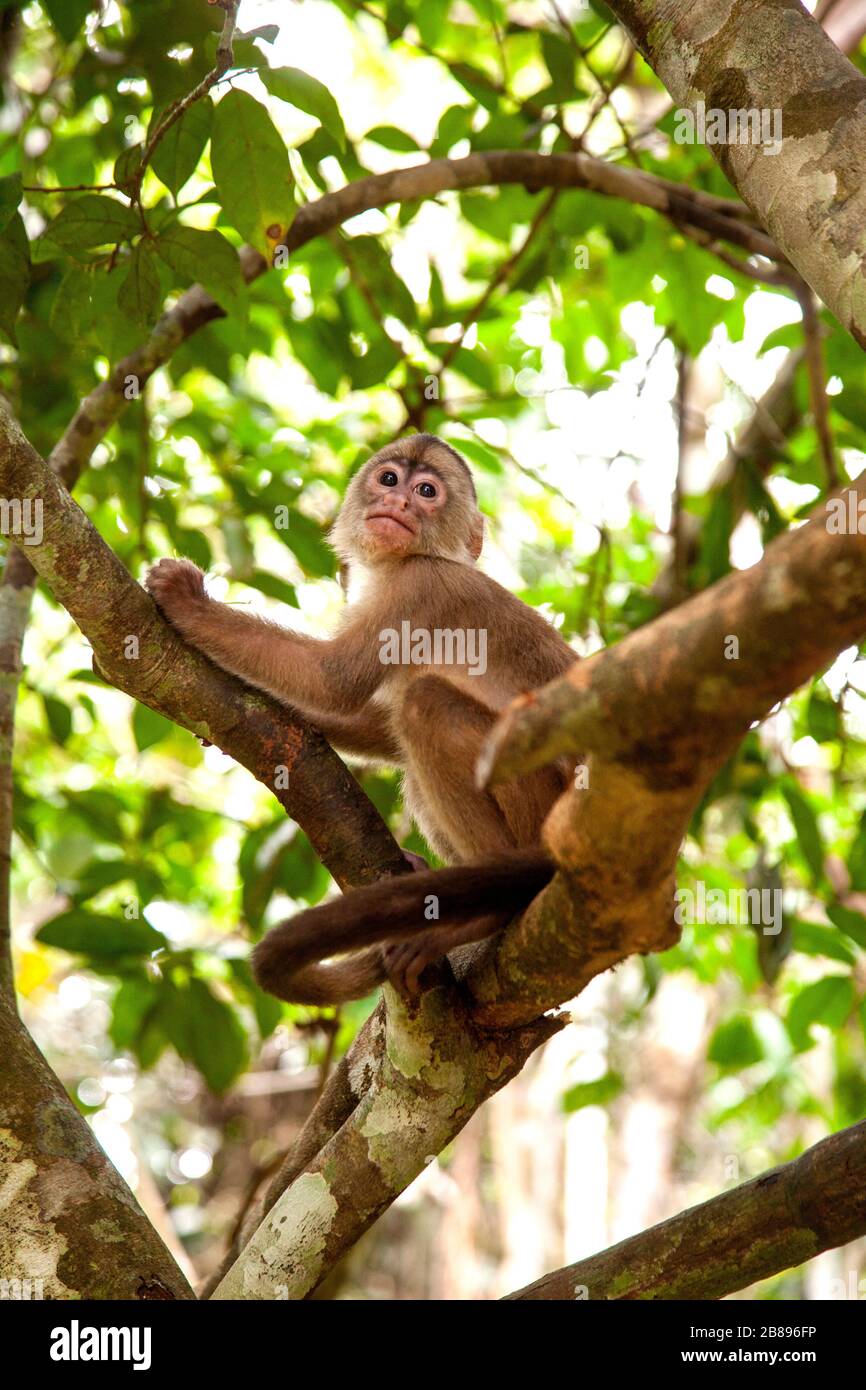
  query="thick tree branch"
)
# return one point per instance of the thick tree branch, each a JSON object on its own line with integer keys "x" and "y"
{"x": 66, "y": 1212}
{"x": 768, "y": 56}
{"x": 423, "y": 1075}
{"x": 677, "y": 686}
{"x": 658, "y": 714}
{"x": 767, "y": 1225}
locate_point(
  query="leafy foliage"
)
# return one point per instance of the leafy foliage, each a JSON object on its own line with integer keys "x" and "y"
{"x": 477, "y": 318}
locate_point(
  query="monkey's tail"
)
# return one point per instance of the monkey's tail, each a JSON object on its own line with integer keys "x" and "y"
{"x": 287, "y": 962}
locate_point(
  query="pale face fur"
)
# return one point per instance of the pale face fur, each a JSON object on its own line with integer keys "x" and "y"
{"x": 415, "y": 497}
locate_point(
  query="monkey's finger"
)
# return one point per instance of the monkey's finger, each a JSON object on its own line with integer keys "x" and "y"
{"x": 404, "y": 962}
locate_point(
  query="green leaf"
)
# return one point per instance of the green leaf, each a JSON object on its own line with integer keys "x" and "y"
{"x": 150, "y": 1043}
{"x": 92, "y": 934}
{"x": 852, "y": 923}
{"x": 857, "y": 857}
{"x": 59, "y": 717}
{"x": 813, "y": 940}
{"x": 94, "y": 220}
{"x": 67, "y": 16}
{"x": 827, "y": 1001}
{"x": 14, "y": 273}
{"x": 148, "y": 727}
{"x": 735, "y": 1043}
{"x": 128, "y": 165}
{"x": 133, "y": 1002}
{"x": 599, "y": 1092}
{"x": 479, "y": 454}
{"x": 140, "y": 294}
{"x": 306, "y": 539}
{"x": 10, "y": 197}
{"x": 454, "y": 125}
{"x": 208, "y": 258}
{"x": 251, "y": 168}
{"x": 806, "y": 826}
{"x": 308, "y": 94}
{"x": 390, "y": 138}
{"x": 86, "y": 313}
{"x": 267, "y": 1009}
{"x": 105, "y": 873}
{"x": 176, "y": 157}
{"x": 369, "y": 259}
{"x": 218, "y": 1043}
{"x": 822, "y": 717}
{"x": 274, "y": 587}
{"x": 559, "y": 59}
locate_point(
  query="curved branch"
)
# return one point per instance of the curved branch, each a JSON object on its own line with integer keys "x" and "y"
{"x": 722, "y": 217}
{"x": 767, "y": 1225}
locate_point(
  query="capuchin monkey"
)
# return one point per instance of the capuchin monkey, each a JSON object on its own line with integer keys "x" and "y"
{"x": 428, "y": 654}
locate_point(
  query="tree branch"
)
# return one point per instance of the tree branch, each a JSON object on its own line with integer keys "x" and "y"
{"x": 66, "y": 1211}
{"x": 431, "y": 1070}
{"x": 658, "y": 714}
{"x": 774, "y": 1222}
{"x": 767, "y": 57}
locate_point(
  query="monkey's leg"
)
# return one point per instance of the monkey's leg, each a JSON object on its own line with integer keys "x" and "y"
{"x": 442, "y": 730}
{"x": 362, "y": 734}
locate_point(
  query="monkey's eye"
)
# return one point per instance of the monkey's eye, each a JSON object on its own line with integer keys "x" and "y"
{"x": 388, "y": 478}
{"x": 426, "y": 489}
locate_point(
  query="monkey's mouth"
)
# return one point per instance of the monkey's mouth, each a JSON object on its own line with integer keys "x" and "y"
{"x": 395, "y": 521}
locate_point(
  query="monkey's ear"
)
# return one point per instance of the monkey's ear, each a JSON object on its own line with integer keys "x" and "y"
{"x": 476, "y": 536}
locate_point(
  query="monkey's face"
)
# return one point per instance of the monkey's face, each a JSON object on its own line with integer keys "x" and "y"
{"x": 415, "y": 497}
{"x": 401, "y": 502}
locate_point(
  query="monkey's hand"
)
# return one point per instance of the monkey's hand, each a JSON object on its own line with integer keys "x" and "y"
{"x": 405, "y": 960}
{"x": 177, "y": 586}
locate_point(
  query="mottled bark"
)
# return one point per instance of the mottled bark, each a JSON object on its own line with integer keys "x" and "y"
{"x": 771, "y": 55}
{"x": 69, "y": 1219}
{"x": 767, "y": 1225}
{"x": 427, "y": 1073}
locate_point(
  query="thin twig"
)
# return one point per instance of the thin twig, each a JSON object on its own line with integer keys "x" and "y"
{"x": 818, "y": 382}
{"x": 501, "y": 276}
{"x": 224, "y": 58}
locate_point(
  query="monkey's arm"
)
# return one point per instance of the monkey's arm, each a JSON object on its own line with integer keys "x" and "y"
{"x": 320, "y": 677}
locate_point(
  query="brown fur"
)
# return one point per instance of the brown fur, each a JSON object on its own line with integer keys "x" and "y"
{"x": 410, "y": 557}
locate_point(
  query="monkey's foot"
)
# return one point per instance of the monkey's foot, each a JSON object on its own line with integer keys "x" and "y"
{"x": 405, "y": 960}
